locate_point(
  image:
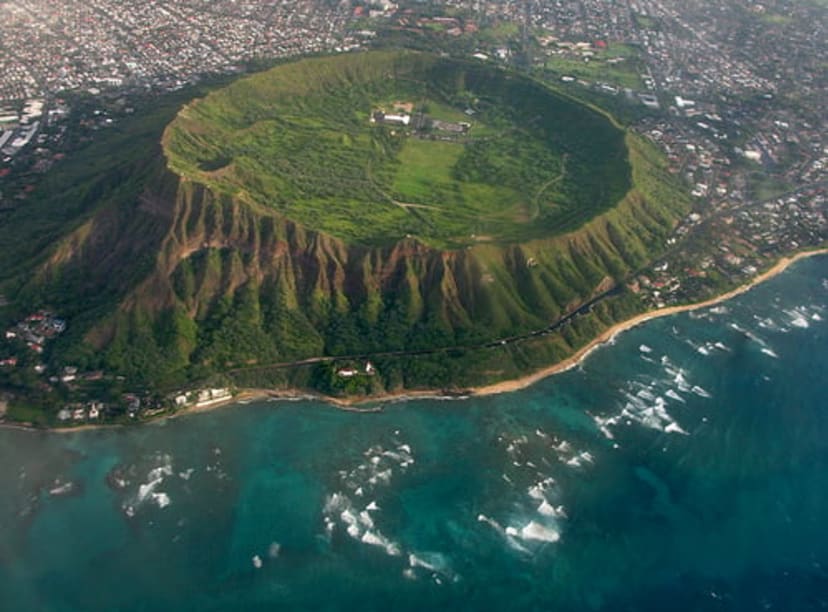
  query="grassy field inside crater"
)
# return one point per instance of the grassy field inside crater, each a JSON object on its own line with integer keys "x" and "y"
{"x": 486, "y": 156}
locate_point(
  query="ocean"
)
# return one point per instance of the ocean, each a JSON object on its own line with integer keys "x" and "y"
{"x": 682, "y": 467}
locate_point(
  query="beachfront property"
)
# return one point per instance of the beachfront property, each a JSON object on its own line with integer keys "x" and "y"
{"x": 201, "y": 398}
{"x": 91, "y": 411}
{"x": 207, "y": 397}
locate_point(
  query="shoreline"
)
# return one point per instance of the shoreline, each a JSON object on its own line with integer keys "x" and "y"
{"x": 246, "y": 395}
{"x": 610, "y": 334}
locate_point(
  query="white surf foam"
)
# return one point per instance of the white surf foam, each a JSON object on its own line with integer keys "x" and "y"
{"x": 700, "y": 391}
{"x": 604, "y": 424}
{"x": 336, "y": 502}
{"x": 348, "y": 517}
{"x": 145, "y": 490}
{"x": 675, "y": 428}
{"x": 536, "y": 531}
{"x": 581, "y": 459}
{"x": 366, "y": 519}
{"x": 648, "y": 409}
{"x": 547, "y": 509}
{"x": 646, "y": 395}
{"x": 797, "y": 319}
{"x": 564, "y": 447}
{"x": 509, "y": 533}
{"x": 436, "y": 563}
{"x": 482, "y": 518}
{"x": 162, "y": 499}
{"x": 539, "y": 489}
{"x": 375, "y": 538}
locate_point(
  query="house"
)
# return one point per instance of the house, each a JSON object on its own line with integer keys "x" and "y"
{"x": 133, "y": 403}
{"x": 220, "y": 393}
{"x": 391, "y": 118}
{"x": 210, "y": 396}
{"x": 347, "y": 372}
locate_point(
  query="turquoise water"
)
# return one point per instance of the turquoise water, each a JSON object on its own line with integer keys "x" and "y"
{"x": 685, "y": 467}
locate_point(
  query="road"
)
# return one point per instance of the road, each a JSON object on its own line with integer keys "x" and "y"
{"x": 559, "y": 324}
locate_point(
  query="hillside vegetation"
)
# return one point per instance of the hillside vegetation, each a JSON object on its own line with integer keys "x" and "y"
{"x": 258, "y": 235}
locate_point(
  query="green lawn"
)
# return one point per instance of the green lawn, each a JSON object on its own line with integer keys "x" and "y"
{"x": 425, "y": 165}
{"x": 501, "y": 32}
{"x": 776, "y": 19}
{"x": 621, "y": 74}
{"x": 645, "y": 22}
{"x": 427, "y": 186}
{"x": 444, "y": 112}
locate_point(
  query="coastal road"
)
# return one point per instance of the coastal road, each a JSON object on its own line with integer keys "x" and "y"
{"x": 557, "y": 325}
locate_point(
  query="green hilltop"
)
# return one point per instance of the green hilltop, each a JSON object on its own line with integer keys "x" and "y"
{"x": 483, "y": 155}
{"x": 272, "y": 224}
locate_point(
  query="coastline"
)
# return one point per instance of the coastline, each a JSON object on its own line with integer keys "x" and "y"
{"x": 610, "y": 334}
{"x": 507, "y": 386}
{"x": 246, "y": 395}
